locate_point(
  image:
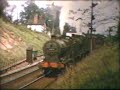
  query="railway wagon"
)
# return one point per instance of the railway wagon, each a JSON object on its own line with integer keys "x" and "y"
{"x": 62, "y": 51}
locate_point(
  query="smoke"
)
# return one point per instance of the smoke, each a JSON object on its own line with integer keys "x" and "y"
{"x": 70, "y": 12}
{"x": 64, "y": 15}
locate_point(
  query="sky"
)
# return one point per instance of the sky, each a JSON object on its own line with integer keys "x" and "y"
{"x": 100, "y": 9}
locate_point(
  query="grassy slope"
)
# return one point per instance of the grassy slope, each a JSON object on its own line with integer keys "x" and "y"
{"x": 28, "y": 38}
{"x": 97, "y": 71}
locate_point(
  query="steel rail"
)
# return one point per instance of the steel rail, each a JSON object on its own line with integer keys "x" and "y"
{"x": 34, "y": 80}
{"x": 18, "y": 74}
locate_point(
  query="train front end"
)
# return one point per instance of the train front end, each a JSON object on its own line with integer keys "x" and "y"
{"x": 53, "y": 56}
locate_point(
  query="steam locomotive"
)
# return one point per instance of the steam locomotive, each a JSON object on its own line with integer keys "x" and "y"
{"x": 61, "y": 51}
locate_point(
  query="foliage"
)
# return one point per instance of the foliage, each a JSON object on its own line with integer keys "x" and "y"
{"x": 99, "y": 16}
{"x": 112, "y": 38}
{"x": 29, "y": 12}
{"x": 97, "y": 71}
{"x": 32, "y": 9}
{"x": 28, "y": 38}
{"x": 3, "y": 5}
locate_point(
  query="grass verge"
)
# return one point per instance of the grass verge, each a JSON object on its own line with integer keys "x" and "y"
{"x": 99, "y": 70}
{"x": 23, "y": 37}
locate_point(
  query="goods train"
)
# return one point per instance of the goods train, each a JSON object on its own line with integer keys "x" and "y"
{"x": 61, "y": 51}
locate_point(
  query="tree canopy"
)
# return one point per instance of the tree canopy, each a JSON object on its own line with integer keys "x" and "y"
{"x": 29, "y": 11}
{"x": 26, "y": 17}
{"x": 3, "y": 5}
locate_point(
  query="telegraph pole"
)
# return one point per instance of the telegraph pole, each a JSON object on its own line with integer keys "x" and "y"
{"x": 91, "y": 25}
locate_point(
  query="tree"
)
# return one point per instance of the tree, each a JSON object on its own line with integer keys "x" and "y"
{"x": 9, "y": 12}
{"x": 29, "y": 12}
{"x": 98, "y": 16}
{"x": 3, "y": 5}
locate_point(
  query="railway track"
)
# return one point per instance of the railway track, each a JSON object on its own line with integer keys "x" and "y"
{"x": 21, "y": 80}
{"x": 30, "y": 74}
{"x": 20, "y": 72}
{"x": 35, "y": 80}
{"x": 11, "y": 76}
{"x": 41, "y": 82}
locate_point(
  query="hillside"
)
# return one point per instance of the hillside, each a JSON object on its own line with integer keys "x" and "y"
{"x": 99, "y": 70}
{"x": 14, "y": 40}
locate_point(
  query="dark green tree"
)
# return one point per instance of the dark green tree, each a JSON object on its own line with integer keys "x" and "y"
{"x": 29, "y": 11}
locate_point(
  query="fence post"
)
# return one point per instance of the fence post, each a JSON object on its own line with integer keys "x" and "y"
{"x": 29, "y": 58}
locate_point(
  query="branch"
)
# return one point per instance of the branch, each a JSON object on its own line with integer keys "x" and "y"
{"x": 106, "y": 19}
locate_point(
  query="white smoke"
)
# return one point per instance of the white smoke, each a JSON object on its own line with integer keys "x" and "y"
{"x": 65, "y": 12}
{"x": 64, "y": 15}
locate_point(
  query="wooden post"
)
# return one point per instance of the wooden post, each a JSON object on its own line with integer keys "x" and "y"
{"x": 29, "y": 58}
{"x": 91, "y": 45}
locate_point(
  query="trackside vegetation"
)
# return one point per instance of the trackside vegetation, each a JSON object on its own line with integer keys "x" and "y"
{"x": 99, "y": 70}
{"x": 16, "y": 39}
